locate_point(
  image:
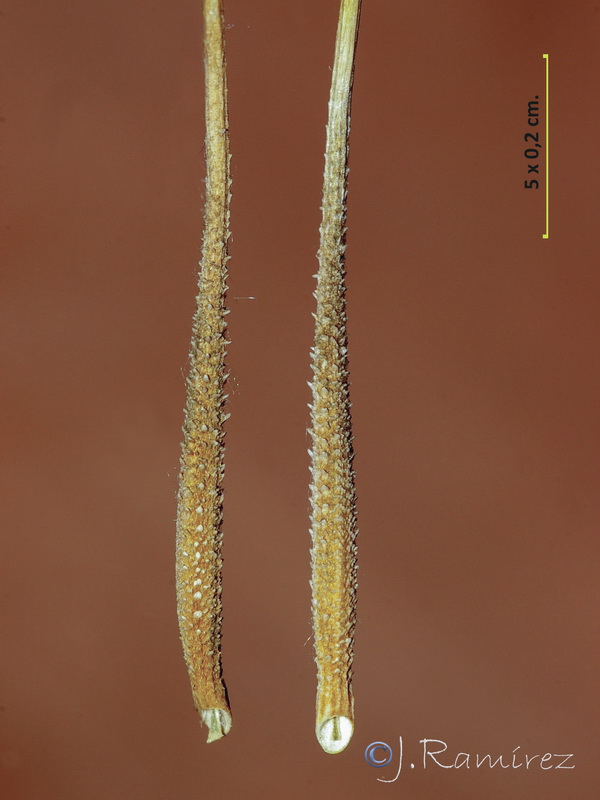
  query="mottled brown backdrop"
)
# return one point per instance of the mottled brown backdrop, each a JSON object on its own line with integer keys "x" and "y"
{"x": 475, "y": 383}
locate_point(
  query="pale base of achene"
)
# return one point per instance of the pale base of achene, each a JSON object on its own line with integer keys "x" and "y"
{"x": 218, "y": 723}
{"x": 335, "y": 733}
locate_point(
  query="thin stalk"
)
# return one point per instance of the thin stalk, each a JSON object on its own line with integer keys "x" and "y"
{"x": 333, "y": 497}
{"x": 199, "y": 512}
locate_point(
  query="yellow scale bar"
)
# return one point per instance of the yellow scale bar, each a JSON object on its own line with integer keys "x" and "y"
{"x": 546, "y": 58}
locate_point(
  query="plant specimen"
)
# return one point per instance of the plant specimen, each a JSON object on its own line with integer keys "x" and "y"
{"x": 199, "y": 511}
{"x": 333, "y": 499}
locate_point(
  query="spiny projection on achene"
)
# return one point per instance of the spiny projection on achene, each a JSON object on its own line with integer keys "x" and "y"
{"x": 199, "y": 512}
{"x": 333, "y": 497}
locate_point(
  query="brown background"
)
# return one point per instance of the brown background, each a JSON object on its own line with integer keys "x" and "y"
{"x": 475, "y": 381}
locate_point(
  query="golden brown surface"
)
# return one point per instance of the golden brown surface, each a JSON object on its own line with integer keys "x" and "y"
{"x": 333, "y": 501}
{"x": 199, "y": 513}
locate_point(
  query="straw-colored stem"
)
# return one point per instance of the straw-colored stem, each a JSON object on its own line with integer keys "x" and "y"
{"x": 199, "y": 512}
{"x": 333, "y": 499}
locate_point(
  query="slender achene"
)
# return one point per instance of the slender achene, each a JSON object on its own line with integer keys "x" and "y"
{"x": 333, "y": 498}
{"x": 199, "y": 512}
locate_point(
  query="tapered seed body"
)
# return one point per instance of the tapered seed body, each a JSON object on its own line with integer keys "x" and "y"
{"x": 199, "y": 512}
{"x": 333, "y": 499}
